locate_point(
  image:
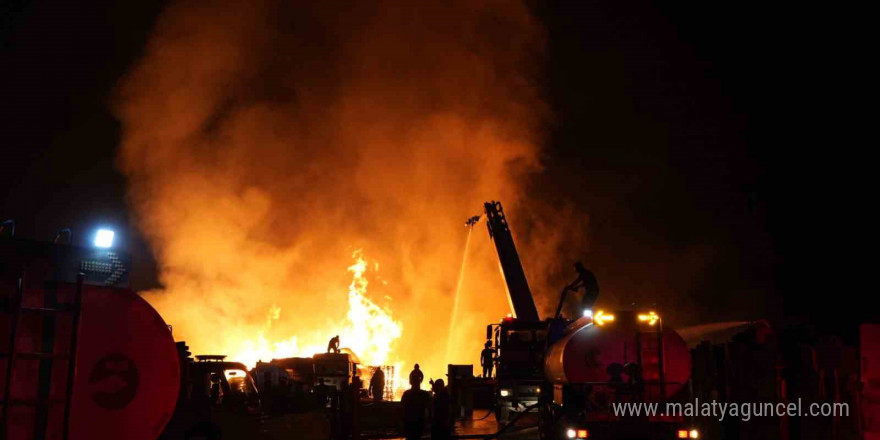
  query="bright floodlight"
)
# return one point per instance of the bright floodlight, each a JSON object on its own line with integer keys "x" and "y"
{"x": 104, "y": 238}
{"x": 588, "y": 313}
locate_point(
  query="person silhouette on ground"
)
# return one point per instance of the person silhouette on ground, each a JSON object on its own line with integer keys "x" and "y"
{"x": 441, "y": 412}
{"x": 415, "y": 403}
{"x": 417, "y": 375}
{"x": 377, "y": 384}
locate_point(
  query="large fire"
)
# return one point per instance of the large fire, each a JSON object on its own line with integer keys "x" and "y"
{"x": 369, "y": 331}
{"x": 265, "y": 141}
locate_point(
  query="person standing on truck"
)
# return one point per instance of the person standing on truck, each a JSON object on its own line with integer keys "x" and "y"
{"x": 588, "y": 281}
{"x": 377, "y": 384}
{"x": 487, "y": 359}
{"x": 416, "y": 377}
{"x": 333, "y": 345}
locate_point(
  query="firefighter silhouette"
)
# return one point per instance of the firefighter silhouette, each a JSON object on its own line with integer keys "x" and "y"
{"x": 333, "y": 345}
{"x": 377, "y": 384}
{"x": 635, "y": 383}
{"x": 615, "y": 375}
{"x": 588, "y": 281}
{"x": 615, "y": 379}
{"x": 487, "y": 359}
{"x": 415, "y": 403}
{"x": 441, "y": 412}
{"x": 416, "y": 377}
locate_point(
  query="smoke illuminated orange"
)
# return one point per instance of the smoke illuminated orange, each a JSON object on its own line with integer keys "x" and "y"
{"x": 266, "y": 141}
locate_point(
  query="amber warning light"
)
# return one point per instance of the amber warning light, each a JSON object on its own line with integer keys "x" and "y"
{"x": 650, "y": 318}
{"x": 579, "y": 434}
{"x": 601, "y": 318}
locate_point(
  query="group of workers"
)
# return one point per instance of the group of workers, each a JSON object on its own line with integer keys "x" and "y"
{"x": 377, "y": 381}
{"x": 418, "y": 403}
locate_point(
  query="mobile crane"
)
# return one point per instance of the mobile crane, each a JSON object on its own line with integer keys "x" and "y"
{"x": 572, "y": 370}
{"x": 519, "y": 340}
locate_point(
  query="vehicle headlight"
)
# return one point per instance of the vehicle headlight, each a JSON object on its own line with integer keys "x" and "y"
{"x": 505, "y": 392}
{"x": 694, "y": 433}
{"x": 571, "y": 433}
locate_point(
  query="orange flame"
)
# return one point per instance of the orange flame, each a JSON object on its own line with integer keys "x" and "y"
{"x": 369, "y": 331}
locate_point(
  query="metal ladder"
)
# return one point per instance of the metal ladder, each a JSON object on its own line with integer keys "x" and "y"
{"x": 50, "y": 313}
{"x": 650, "y": 357}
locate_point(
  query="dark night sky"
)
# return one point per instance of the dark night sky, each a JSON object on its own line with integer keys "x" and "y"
{"x": 677, "y": 125}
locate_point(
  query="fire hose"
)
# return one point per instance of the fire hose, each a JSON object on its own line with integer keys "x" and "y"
{"x": 491, "y": 410}
{"x": 503, "y": 428}
{"x": 496, "y": 434}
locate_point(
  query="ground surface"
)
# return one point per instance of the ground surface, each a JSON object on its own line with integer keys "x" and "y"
{"x": 311, "y": 426}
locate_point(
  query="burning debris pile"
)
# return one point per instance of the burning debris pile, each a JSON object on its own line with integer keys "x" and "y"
{"x": 369, "y": 331}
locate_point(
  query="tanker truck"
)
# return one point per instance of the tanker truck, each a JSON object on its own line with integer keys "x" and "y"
{"x": 83, "y": 357}
{"x": 578, "y": 374}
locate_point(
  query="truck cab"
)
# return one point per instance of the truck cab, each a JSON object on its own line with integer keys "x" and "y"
{"x": 519, "y": 362}
{"x": 335, "y": 369}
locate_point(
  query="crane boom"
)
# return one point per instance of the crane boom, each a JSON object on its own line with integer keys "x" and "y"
{"x": 518, "y": 291}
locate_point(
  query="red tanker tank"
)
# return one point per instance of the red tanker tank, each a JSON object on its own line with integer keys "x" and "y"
{"x": 595, "y": 351}
{"x": 127, "y": 372}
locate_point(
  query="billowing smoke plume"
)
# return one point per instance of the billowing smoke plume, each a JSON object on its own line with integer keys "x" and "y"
{"x": 267, "y": 141}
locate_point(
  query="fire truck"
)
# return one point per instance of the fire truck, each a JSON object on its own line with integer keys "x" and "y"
{"x": 573, "y": 371}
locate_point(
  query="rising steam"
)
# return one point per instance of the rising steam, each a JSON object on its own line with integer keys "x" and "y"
{"x": 267, "y": 141}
